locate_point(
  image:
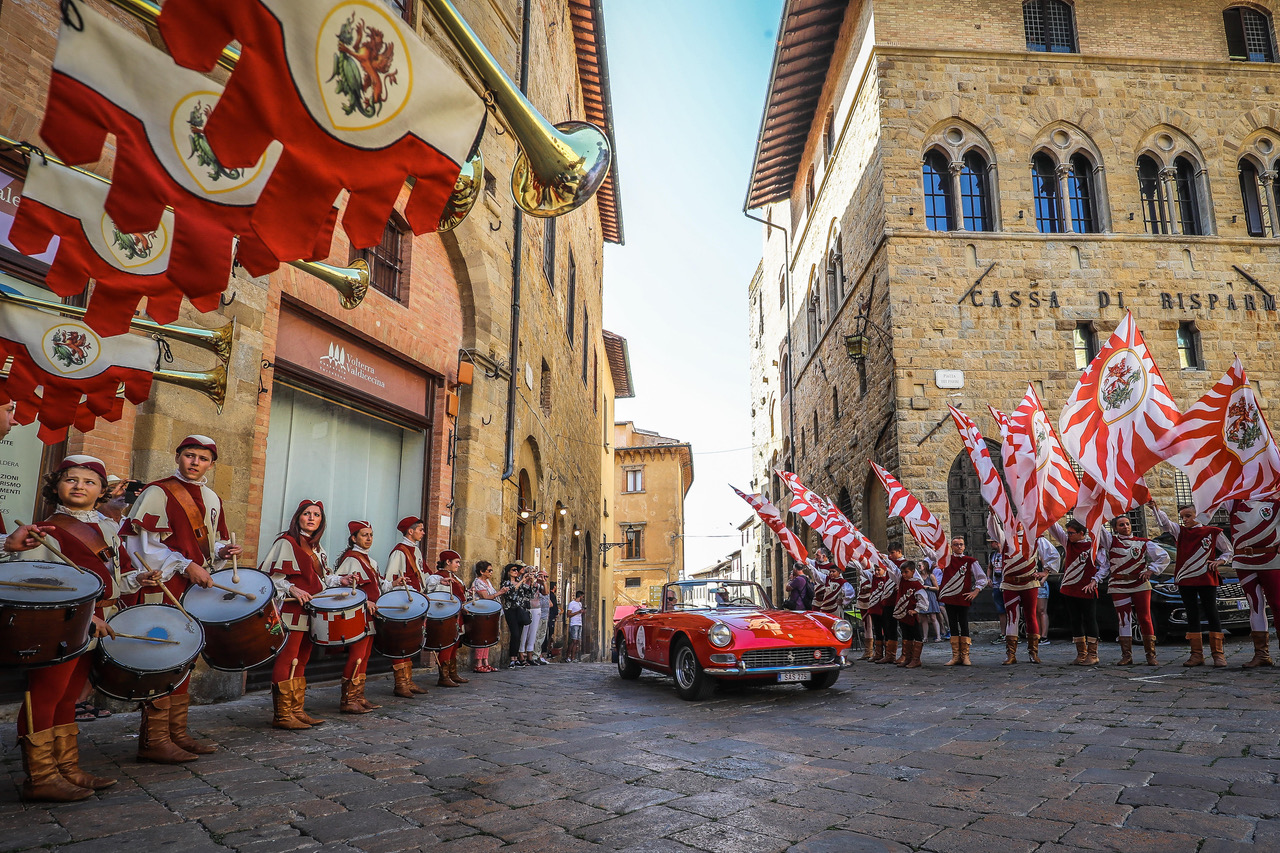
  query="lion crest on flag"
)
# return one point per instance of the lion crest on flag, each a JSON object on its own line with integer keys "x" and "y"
{"x": 70, "y": 347}
{"x": 363, "y": 67}
{"x": 134, "y": 246}
{"x": 1117, "y": 388}
{"x": 1243, "y": 427}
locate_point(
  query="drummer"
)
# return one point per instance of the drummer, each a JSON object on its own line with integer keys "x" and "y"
{"x": 47, "y": 727}
{"x": 298, "y": 567}
{"x": 358, "y": 570}
{"x": 405, "y": 570}
{"x": 447, "y": 577}
{"x": 171, "y": 529}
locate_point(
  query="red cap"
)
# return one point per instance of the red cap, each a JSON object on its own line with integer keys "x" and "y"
{"x": 446, "y": 556}
{"x": 356, "y": 526}
{"x": 202, "y": 441}
{"x": 407, "y": 522}
{"x": 306, "y": 503}
{"x": 92, "y": 463}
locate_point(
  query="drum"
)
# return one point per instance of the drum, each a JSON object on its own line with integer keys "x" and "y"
{"x": 46, "y": 611}
{"x": 138, "y": 670}
{"x": 400, "y": 621}
{"x": 481, "y": 622}
{"x": 339, "y": 617}
{"x": 239, "y": 632}
{"x": 443, "y": 610}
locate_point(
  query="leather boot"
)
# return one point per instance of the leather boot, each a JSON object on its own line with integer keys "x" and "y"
{"x": 1091, "y": 651}
{"x": 299, "y": 698}
{"x": 453, "y": 671}
{"x": 413, "y": 688}
{"x": 179, "y": 705}
{"x": 1033, "y": 648}
{"x": 1010, "y": 649}
{"x": 878, "y": 651}
{"x": 890, "y": 652}
{"x": 955, "y": 652}
{"x": 908, "y": 649}
{"x": 1197, "y": 650}
{"x": 1261, "y": 650}
{"x": 868, "y": 649}
{"x": 444, "y": 680}
{"x": 1126, "y": 651}
{"x": 348, "y": 703}
{"x": 1215, "y": 648}
{"x": 282, "y": 707}
{"x": 902, "y": 654}
{"x": 965, "y": 642}
{"x": 1149, "y": 646}
{"x": 43, "y": 781}
{"x": 66, "y": 753}
{"x": 359, "y": 682}
{"x": 400, "y": 669}
{"x": 1082, "y": 651}
{"x": 913, "y": 656}
{"x": 154, "y": 742}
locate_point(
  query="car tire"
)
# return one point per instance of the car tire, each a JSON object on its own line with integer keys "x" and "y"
{"x": 822, "y": 680}
{"x": 692, "y": 684}
{"x": 627, "y": 668}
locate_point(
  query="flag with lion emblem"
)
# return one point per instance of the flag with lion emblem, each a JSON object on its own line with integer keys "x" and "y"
{"x": 773, "y": 520}
{"x": 1042, "y": 484}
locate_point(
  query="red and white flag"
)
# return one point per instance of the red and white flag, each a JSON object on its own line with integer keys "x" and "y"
{"x": 846, "y": 542}
{"x": 1117, "y": 423}
{"x": 356, "y": 97}
{"x": 922, "y": 524}
{"x": 989, "y": 483}
{"x": 65, "y": 375}
{"x": 809, "y": 505}
{"x": 773, "y": 520}
{"x": 1042, "y": 483}
{"x": 1224, "y": 445}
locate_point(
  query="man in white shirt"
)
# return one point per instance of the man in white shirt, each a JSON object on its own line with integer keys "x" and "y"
{"x": 574, "y": 610}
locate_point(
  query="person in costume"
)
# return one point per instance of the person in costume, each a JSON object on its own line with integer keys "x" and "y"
{"x": 882, "y": 598}
{"x": 358, "y": 570}
{"x": 298, "y": 567}
{"x": 47, "y": 730}
{"x": 447, "y": 572}
{"x": 911, "y": 601}
{"x": 1202, "y": 550}
{"x": 1255, "y": 538}
{"x": 177, "y": 527}
{"x": 405, "y": 570}
{"x": 960, "y": 582}
{"x": 1079, "y": 588}
{"x": 1128, "y": 563}
{"x": 1019, "y": 587}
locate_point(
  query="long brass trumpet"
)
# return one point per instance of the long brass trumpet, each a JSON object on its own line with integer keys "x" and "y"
{"x": 560, "y": 166}
{"x": 211, "y": 383}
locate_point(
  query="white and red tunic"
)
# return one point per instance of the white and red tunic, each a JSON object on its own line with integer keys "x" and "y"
{"x": 1019, "y": 571}
{"x": 1124, "y": 559}
{"x": 296, "y": 562}
{"x": 884, "y": 590}
{"x": 160, "y": 529}
{"x": 1197, "y": 546}
{"x": 92, "y": 541}
{"x": 910, "y": 601}
{"x": 1078, "y": 567}
{"x": 1255, "y": 534}
{"x": 960, "y": 576}
{"x": 405, "y": 562}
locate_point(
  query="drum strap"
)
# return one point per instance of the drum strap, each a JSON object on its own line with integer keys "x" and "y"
{"x": 195, "y": 518}
{"x": 89, "y": 536}
{"x": 412, "y": 557}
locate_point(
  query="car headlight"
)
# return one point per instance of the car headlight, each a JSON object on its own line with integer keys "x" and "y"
{"x": 1170, "y": 588}
{"x": 843, "y": 630}
{"x": 720, "y": 635}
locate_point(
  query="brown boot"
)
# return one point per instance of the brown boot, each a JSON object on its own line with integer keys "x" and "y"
{"x": 1126, "y": 651}
{"x": 66, "y": 752}
{"x": 902, "y": 654}
{"x": 868, "y": 649}
{"x": 413, "y": 688}
{"x": 913, "y": 656}
{"x": 1033, "y": 648}
{"x": 1261, "y": 650}
{"x": 43, "y": 781}
{"x": 964, "y": 651}
{"x": 359, "y": 682}
{"x": 1010, "y": 649}
{"x": 1082, "y": 651}
{"x": 877, "y": 652}
{"x": 1215, "y": 648}
{"x": 908, "y": 649}
{"x": 154, "y": 742}
{"x": 955, "y": 651}
{"x": 400, "y": 669}
{"x": 1197, "y": 650}
{"x": 444, "y": 680}
{"x": 348, "y": 704}
{"x": 890, "y": 652}
{"x": 282, "y": 707}
{"x": 1091, "y": 651}
{"x": 453, "y": 671}
{"x": 299, "y": 698}
{"x": 179, "y": 704}
{"x": 1149, "y": 646}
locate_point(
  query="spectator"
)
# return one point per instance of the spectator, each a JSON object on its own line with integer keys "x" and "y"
{"x": 932, "y": 615}
{"x": 1050, "y": 562}
{"x": 995, "y": 567}
{"x": 482, "y": 588}
{"x": 575, "y": 609}
{"x": 797, "y": 588}
{"x": 544, "y": 622}
{"x": 516, "y": 593}
{"x": 549, "y": 645}
{"x": 537, "y": 595}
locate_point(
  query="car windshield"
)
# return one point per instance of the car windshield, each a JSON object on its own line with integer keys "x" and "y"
{"x": 712, "y": 595}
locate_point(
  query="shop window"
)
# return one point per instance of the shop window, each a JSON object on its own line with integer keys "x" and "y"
{"x": 549, "y": 252}
{"x": 634, "y": 537}
{"x": 1153, "y": 200}
{"x": 1250, "y": 36}
{"x": 572, "y": 296}
{"x": 544, "y": 389}
{"x": 1251, "y": 198}
{"x": 633, "y": 583}
{"x": 1189, "y": 352}
{"x": 938, "y": 213}
{"x": 389, "y": 261}
{"x": 1044, "y": 182}
{"x": 1048, "y": 26}
{"x": 1085, "y": 343}
{"x": 635, "y": 480}
{"x": 1185, "y": 180}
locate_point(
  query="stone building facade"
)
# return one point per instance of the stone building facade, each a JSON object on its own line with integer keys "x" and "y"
{"x": 401, "y": 405}
{"x": 973, "y": 198}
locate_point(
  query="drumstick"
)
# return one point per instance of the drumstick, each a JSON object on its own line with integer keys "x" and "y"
{"x": 247, "y": 595}
{"x": 31, "y": 717}
{"x": 235, "y": 568}
{"x": 293, "y": 666}
{"x": 28, "y": 585}
{"x": 163, "y": 588}
{"x": 148, "y": 639}
{"x": 44, "y": 540}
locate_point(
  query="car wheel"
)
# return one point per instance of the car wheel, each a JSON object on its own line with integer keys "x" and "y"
{"x": 822, "y": 680}
{"x": 627, "y": 668}
{"x": 692, "y": 683}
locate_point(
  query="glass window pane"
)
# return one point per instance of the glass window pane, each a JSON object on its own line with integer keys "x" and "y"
{"x": 975, "y": 204}
{"x": 1251, "y": 199}
{"x": 1257, "y": 36}
{"x": 1033, "y": 23}
{"x": 1058, "y": 31}
{"x": 1152, "y": 196}
{"x": 1080, "y": 189}
{"x": 1044, "y": 182}
{"x": 1188, "y": 203}
{"x": 937, "y": 215}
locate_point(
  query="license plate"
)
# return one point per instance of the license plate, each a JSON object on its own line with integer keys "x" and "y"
{"x": 793, "y": 676}
{"x": 1242, "y": 604}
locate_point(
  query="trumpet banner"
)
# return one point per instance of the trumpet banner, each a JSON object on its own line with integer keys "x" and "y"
{"x": 773, "y": 520}
{"x": 922, "y": 524}
{"x": 357, "y": 99}
{"x": 65, "y": 375}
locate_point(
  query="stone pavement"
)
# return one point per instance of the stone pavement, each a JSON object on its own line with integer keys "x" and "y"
{"x": 569, "y": 758}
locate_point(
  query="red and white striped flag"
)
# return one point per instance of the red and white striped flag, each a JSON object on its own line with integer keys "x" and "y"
{"x": 1117, "y": 423}
{"x": 807, "y": 504}
{"x": 922, "y": 524}
{"x": 773, "y": 520}
{"x": 846, "y": 541}
{"x": 989, "y": 483}
{"x": 1042, "y": 484}
{"x": 1224, "y": 445}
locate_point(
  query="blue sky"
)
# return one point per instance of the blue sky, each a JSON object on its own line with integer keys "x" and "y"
{"x": 688, "y": 82}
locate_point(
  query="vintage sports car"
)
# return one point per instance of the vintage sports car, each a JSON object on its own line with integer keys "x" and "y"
{"x": 707, "y": 630}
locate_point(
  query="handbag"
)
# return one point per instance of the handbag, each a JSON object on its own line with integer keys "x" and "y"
{"x": 523, "y": 616}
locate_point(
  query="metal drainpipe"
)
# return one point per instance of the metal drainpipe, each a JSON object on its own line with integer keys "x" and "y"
{"x": 517, "y": 265}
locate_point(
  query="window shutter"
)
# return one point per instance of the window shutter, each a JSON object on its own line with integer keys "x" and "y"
{"x": 1234, "y": 26}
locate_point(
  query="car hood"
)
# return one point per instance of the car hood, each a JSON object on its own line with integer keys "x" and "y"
{"x": 765, "y": 625}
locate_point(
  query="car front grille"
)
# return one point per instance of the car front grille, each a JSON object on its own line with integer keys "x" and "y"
{"x": 1231, "y": 590}
{"x": 791, "y": 656}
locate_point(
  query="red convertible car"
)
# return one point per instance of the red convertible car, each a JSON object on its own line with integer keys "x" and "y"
{"x": 709, "y": 630}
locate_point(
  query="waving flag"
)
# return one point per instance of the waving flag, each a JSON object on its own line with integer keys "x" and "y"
{"x": 1042, "y": 484}
{"x": 357, "y": 99}
{"x": 988, "y": 477}
{"x": 922, "y": 524}
{"x": 773, "y": 520}
{"x": 807, "y": 504}
{"x": 846, "y": 541}
{"x": 1224, "y": 445}
{"x": 1117, "y": 423}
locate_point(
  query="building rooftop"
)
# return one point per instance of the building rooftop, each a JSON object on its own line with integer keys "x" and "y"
{"x": 615, "y": 349}
{"x": 593, "y": 74}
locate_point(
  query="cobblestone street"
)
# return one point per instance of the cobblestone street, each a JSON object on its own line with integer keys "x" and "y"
{"x": 569, "y": 757}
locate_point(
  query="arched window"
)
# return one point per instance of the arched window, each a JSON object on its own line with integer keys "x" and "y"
{"x": 1188, "y": 197}
{"x": 1153, "y": 200}
{"x": 975, "y": 197}
{"x": 939, "y": 214}
{"x": 1250, "y": 36}
{"x": 1048, "y": 26}
{"x": 1252, "y": 199}
{"x": 1080, "y": 196}
{"x": 1044, "y": 182}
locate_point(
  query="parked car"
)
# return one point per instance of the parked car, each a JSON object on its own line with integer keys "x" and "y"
{"x": 712, "y": 630}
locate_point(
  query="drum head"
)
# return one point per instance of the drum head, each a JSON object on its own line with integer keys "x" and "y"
{"x": 71, "y": 585}
{"x": 338, "y": 598}
{"x": 402, "y": 605}
{"x": 442, "y": 605}
{"x": 482, "y": 607}
{"x": 218, "y": 605}
{"x": 160, "y": 622}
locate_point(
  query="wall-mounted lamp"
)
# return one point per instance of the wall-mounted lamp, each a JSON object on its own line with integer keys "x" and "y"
{"x": 855, "y": 346}
{"x": 577, "y": 531}
{"x": 564, "y": 510}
